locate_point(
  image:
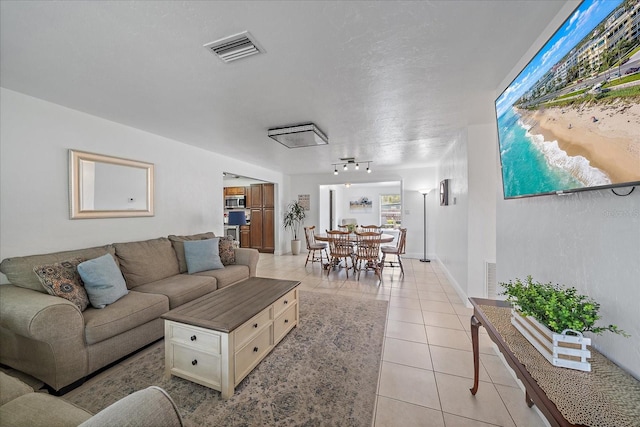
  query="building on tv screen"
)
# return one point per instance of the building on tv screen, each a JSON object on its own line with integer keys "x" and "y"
{"x": 571, "y": 119}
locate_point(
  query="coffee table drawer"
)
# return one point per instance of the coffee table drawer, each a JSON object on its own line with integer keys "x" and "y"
{"x": 196, "y": 364}
{"x": 252, "y": 353}
{"x": 193, "y": 336}
{"x": 284, "y": 322}
{"x": 285, "y": 302}
{"x": 252, "y": 327}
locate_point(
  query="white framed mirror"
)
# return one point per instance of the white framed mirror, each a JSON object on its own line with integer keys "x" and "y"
{"x": 109, "y": 187}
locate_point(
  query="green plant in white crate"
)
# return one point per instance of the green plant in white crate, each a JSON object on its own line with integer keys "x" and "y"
{"x": 558, "y": 308}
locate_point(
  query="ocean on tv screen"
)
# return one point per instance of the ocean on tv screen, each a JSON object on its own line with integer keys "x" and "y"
{"x": 532, "y": 166}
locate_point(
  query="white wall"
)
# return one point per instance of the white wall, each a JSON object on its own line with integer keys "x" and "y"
{"x": 589, "y": 240}
{"x": 482, "y": 181}
{"x": 35, "y": 136}
{"x": 452, "y": 229}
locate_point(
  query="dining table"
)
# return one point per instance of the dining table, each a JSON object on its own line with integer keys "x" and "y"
{"x": 384, "y": 238}
{"x": 322, "y": 237}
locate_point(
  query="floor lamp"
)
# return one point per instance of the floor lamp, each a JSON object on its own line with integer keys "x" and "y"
{"x": 424, "y": 231}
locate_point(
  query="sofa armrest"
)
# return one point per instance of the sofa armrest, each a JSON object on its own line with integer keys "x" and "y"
{"x": 248, "y": 257}
{"x": 151, "y": 407}
{"x": 42, "y": 335}
{"x": 39, "y": 316}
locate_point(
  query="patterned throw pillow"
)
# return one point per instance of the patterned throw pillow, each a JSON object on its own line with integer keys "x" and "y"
{"x": 227, "y": 254}
{"x": 61, "y": 279}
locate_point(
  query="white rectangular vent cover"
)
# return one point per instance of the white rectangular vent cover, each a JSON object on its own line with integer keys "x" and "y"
{"x": 235, "y": 47}
{"x": 490, "y": 280}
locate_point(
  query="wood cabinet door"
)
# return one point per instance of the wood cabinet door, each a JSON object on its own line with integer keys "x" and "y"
{"x": 237, "y": 191}
{"x": 268, "y": 196}
{"x": 245, "y": 236}
{"x": 256, "y": 228}
{"x": 247, "y": 197}
{"x": 256, "y": 196}
{"x": 268, "y": 225}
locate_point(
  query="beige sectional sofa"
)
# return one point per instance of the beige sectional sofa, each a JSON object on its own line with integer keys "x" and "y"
{"x": 21, "y": 406}
{"x": 51, "y": 339}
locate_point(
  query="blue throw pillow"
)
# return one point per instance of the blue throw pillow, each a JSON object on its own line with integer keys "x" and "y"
{"x": 202, "y": 255}
{"x": 103, "y": 281}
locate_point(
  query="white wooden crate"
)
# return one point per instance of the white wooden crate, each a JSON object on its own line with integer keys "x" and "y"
{"x": 567, "y": 351}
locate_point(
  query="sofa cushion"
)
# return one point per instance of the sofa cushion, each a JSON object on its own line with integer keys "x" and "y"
{"x": 130, "y": 311}
{"x": 19, "y": 270}
{"x": 11, "y": 388}
{"x": 61, "y": 279}
{"x": 41, "y": 409}
{"x": 227, "y": 254}
{"x": 202, "y": 255}
{"x": 146, "y": 261}
{"x": 228, "y": 275}
{"x": 103, "y": 280}
{"x": 181, "y": 289}
{"x": 178, "y": 246}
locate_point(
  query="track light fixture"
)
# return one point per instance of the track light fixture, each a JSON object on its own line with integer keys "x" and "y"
{"x": 350, "y": 161}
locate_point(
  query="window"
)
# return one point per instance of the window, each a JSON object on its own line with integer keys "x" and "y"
{"x": 390, "y": 210}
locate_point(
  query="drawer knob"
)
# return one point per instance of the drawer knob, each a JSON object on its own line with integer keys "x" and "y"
{"x": 286, "y": 320}
{"x": 255, "y": 349}
{"x": 194, "y": 362}
{"x": 193, "y": 338}
{"x": 286, "y": 301}
{"x": 255, "y": 325}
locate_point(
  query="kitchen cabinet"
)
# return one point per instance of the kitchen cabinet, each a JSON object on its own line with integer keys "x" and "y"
{"x": 234, "y": 191}
{"x": 245, "y": 236}
{"x": 262, "y": 217}
{"x": 247, "y": 197}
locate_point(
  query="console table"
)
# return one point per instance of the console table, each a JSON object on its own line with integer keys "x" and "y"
{"x": 606, "y": 396}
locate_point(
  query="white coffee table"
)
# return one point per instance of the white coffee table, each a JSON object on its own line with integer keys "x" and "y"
{"x": 218, "y": 339}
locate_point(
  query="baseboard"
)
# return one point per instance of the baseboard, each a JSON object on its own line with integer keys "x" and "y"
{"x": 462, "y": 294}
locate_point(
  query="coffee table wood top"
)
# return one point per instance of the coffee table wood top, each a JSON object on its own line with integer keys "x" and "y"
{"x": 227, "y": 308}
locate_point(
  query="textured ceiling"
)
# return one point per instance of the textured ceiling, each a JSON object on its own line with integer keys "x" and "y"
{"x": 393, "y": 82}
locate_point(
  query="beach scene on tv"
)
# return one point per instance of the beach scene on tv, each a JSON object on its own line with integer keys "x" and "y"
{"x": 571, "y": 119}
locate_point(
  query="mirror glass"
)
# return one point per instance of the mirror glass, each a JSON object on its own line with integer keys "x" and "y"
{"x": 108, "y": 187}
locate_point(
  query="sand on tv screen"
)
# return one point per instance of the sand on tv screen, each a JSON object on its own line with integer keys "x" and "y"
{"x": 570, "y": 120}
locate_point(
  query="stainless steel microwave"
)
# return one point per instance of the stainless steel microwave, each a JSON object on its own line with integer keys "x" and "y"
{"x": 234, "y": 202}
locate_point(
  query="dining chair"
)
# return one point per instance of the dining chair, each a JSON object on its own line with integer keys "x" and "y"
{"x": 396, "y": 250}
{"x": 370, "y": 229}
{"x": 368, "y": 251}
{"x": 340, "y": 247}
{"x": 313, "y": 246}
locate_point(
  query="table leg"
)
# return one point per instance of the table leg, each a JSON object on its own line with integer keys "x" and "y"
{"x": 475, "y": 325}
{"x": 527, "y": 399}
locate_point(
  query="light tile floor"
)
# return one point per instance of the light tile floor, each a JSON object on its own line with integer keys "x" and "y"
{"x": 427, "y": 363}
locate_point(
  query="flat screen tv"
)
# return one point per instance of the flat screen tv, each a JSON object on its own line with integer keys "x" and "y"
{"x": 570, "y": 121}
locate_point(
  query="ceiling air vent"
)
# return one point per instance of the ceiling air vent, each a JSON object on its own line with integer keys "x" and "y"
{"x": 235, "y": 47}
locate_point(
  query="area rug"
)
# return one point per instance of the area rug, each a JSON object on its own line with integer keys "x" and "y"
{"x": 324, "y": 373}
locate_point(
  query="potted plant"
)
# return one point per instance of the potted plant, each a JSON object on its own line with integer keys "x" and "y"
{"x": 293, "y": 219}
{"x": 553, "y": 319}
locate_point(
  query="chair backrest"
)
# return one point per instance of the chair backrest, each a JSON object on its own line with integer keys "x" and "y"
{"x": 402, "y": 240}
{"x": 368, "y": 244}
{"x": 370, "y": 228}
{"x": 309, "y": 235}
{"x": 339, "y": 243}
